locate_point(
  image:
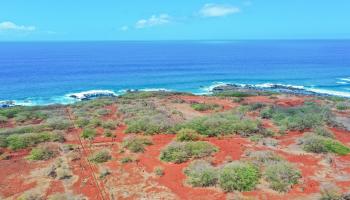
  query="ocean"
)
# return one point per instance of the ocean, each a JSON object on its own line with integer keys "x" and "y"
{"x": 38, "y": 73}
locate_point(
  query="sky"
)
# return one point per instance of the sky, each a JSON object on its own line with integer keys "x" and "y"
{"x": 64, "y": 20}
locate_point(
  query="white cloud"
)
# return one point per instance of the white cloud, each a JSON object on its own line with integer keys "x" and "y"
{"x": 216, "y": 10}
{"x": 124, "y": 28}
{"x": 154, "y": 20}
{"x": 10, "y": 26}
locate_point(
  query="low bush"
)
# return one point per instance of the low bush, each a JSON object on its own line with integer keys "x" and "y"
{"x": 30, "y": 196}
{"x": 234, "y": 94}
{"x": 262, "y": 158}
{"x": 146, "y": 117}
{"x": 308, "y": 116}
{"x": 159, "y": 171}
{"x": 186, "y": 134}
{"x": 88, "y": 133}
{"x": 132, "y": 95}
{"x": 24, "y": 129}
{"x": 323, "y": 132}
{"x": 223, "y": 124}
{"x": 330, "y": 192}
{"x": 319, "y": 144}
{"x": 281, "y": 176}
{"x": 200, "y": 173}
{"x": 205, "y": 106}
{"x": 100, "y": 156}
{"x": 256, "y": 106}
{"x": 59, "y": 123}
{"x": 3, "y": 119}
{"x": 178, "y": 152}
{"x": 336, "y": 147}
{"x": 314, "y": 143}
{"x": 126, "y": 160}
{"x": 102, "y": 111}
{"x": 343, "y": 106}
{"x": 41, "y": 153}
{"x": 136, "y": 143}
{"x": 103, "y": 173}
{"x": 110, "y": 124}
{"x": 108, "y": 133}
{"x": 95, "y": 122}
{"x": 3, "y": 141}
{"x": 256, "y": 138}
{"x": 82, "y": 122}
{"x": 238, "y": 176}
{"x": 21, "y": 141}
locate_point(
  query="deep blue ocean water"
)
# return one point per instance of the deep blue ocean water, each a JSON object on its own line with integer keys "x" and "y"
{"x": 45, "y": 72}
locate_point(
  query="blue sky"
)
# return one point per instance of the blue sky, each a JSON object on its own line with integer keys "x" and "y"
{"x": 173, "y": 20}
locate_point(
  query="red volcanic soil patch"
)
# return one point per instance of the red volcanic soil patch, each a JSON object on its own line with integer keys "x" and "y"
{"x": 227, "y": 104}
{"x": 309, "y": 166}
{"x": 13, "y": 176}
{"x": 56, "y": 186}
{"x": 173, "y": 177}
{"x": 112, "y": 115}
{"x": 341, "y": 135}
{"x": 259, "y": 99}
{"x": 289, "y": 138}
{"x": 230, "y": 147}
{"x": 290, "y": 102}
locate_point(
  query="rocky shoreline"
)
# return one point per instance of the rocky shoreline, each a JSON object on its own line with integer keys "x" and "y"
{"x": 278, "y": 88}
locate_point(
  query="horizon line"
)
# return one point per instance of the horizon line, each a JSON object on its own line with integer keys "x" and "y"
{"x": 186, "y": 40}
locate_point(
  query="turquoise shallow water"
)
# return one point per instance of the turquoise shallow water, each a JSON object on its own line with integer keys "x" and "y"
{"x": 45, "y": 72}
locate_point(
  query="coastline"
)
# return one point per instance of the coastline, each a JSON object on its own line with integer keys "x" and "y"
{"x": 71, "y": 98}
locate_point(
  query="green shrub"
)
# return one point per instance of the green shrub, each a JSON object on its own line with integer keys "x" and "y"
{"x": 310, "y": 115}
{"x": 223, "y": 124}
{"x": 22, "y": 141}
{"x": 95, "y": 122}
{"x": 104, "y": 173}
{"x": 178, "y": 152}
{"x": 110, "y": 124}
{"x": 24, "y": 129}
{"x": 136, "y": 143}
{"x": 319, "y": 144}
{"x": 205, "y": 106}
{"x": 3, "y": 141}
{"x": 256, "y": 138}
{"x": 323, "y": 132}
{"x": 261, "y": 158}
{"x": 11, "y": 112}
{"x": 100, "y": 156}
{"x": 281, "y": 176}
{"x": 88, "y": 133}
{"x": 159, "y": 171}
{"x": 201, "y": 174}
{"x": 234, "y": 94}
{"x": 238, "y": 176}
{"x": 102, "y": 111}
{"x": 255, "y": 106}
{"x": 238, "y": 99}
{"x": 59, "y": 123}
{"x": 82, "y": 122}
{"x": 343, "y": 106}
{"x": 108, "y": 133}
{"x": 314, "y": 143}
{"x": 336, "y": 147}
{"x": 126, "y": 160}
{"x": 330, "y": 192}
{"x": 186, "y": 134}
{"x": 41, "y": 153}
{"x": 148, "y": 94}
{"x": 144, "y": 116}
{"x": 3, "y": 119}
